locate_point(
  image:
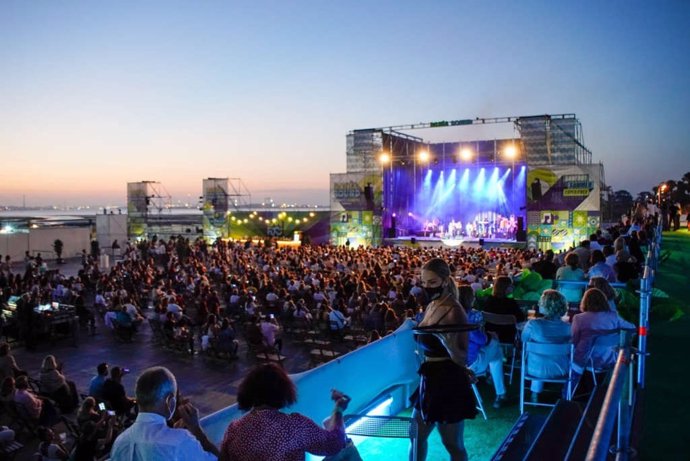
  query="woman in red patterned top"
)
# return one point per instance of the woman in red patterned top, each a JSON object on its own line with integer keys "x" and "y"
{"x": 265, "y": 433}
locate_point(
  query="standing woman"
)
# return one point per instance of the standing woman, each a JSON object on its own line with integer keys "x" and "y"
{"x": 444, "y": 398}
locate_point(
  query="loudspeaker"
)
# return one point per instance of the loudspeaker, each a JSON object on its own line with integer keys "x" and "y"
{"x": 521, "y": 234}
{"x": 369, "y": 196}
{"x": 481, "y": 242}
{"x": 369, "y": 192}
{"x": 390, "y": 233}
{"x": 413, "y": 241}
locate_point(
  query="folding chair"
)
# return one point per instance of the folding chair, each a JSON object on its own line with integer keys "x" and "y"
{"x": 609, "y": 340}
{"x": 477, "y": 396}
{"x": 505, "y": 319}
{"x": 554, "y": 350}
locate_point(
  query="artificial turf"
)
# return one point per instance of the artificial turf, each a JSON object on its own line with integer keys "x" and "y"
{"x": 666, "y": 408}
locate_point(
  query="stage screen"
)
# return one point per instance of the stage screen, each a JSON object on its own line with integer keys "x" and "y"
{"x": 457, "y": 201}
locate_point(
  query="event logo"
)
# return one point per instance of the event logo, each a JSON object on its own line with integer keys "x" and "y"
{"x": 347, "y": 190}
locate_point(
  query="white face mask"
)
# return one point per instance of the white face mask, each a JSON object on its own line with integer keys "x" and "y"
{"x": 174, "y": 406}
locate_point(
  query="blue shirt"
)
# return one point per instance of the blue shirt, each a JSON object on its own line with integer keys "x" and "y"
{"x": 96, "y": 386}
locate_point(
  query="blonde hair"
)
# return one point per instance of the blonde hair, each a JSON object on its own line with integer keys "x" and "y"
{"x": 553, "y": 304}
{"x": 49, "y": 363}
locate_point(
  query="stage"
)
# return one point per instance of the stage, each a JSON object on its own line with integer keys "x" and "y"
{"x": 438, "y": 242}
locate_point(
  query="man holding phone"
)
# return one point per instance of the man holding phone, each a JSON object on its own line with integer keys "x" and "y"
{"x": 150, "y": 438}
{"x": 271, "y": 331}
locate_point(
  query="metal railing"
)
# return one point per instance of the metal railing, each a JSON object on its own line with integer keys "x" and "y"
{"x": 621, "y": 396}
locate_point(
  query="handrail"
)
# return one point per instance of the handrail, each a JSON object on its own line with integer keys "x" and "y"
{"x": 599, "y": 447}
{"x": 616, "y": 405}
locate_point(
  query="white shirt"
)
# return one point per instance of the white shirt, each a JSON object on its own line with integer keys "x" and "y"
{"x": 150, "y": 439}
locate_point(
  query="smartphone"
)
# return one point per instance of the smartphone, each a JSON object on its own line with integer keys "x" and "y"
{"x": 111, "y": 413}
{"x": 101, "y": 406}
{"x": 126, "y": 370}
{"x": 271, "y": 316}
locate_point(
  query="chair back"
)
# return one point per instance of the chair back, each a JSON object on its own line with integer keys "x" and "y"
{"x": 607, "y": 340}
{"x": 550, "y": 350}
{"x": 499, "y": 319}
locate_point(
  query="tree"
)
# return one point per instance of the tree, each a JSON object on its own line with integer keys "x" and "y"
{"x": 58, "y": 246}
{"x": 622, "y": 203}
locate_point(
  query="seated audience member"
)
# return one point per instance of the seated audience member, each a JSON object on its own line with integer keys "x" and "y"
{"x": 484, "y": 352}
{"x": 209, "y": 332}
{"x": 49, "y": 448}
{"x": 549, "y": 329}
{"x": 88, "y": 412}
{"x": 8, "y": 365}
{"x": 94, "y": 440}
{"x": 599, "y": 268}
{"x": 124, "y": 321}
{"x": 54, "y": 384}
{"x": 264, "y": 432}
{"x": 150, "y": 438}
{"x": 545, "y": 266}
{"x": 595, "y": 319}
{"x": 35, "y": 408}
{"x": 225, "y": 341}
{"x": 114, "y": 392}
{"x": 571, "y": 272}
{"x": 96, "y": 385}
{"x": 499, "y": 303}
{"x": 625, "y": 267}
{"x": 337, "y": 319}
{"x": 134, "y": 313}
{"x": 603, "y": 284}
{"x": 270, "y": 330}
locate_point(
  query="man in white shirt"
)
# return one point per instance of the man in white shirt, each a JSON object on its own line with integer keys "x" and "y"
{"x": 150, "y": 438}
{"x": 271, "y": 332}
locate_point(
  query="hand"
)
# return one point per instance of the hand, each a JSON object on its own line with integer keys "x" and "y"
{"x": 190, "y": 415}
{"x": 342, "y": 403}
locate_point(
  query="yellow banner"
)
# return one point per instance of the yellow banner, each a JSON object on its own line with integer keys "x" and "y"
{"x": 575, "y": 192}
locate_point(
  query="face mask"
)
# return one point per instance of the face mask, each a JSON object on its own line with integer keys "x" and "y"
{"x": 174, "y": 407}
{"x": 433, "y": 292}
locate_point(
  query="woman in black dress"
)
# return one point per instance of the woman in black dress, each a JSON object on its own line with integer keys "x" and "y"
{"x": 444, "y": 398}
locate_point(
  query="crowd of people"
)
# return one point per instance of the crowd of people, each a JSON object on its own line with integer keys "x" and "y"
{"x": 199, "y": 292}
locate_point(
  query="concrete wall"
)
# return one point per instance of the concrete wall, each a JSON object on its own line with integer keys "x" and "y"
{"x": 362, "y": 374}
{"x": 41, "y": 241}
{"x": 111, "y": 227}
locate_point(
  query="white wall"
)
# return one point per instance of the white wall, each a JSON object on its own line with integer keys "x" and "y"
{"x": 111, "y": 227}
{"x": 41, "y": 240}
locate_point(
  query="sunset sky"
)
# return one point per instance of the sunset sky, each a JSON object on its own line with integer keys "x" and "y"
{"x": 97, "y": 94}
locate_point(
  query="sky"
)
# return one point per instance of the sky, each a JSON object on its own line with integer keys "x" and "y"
{"x": 97, "y": 94}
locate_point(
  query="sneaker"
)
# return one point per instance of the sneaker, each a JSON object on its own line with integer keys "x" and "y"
{"x": 500, "y": 401}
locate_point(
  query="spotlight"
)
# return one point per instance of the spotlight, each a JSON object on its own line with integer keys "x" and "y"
{"x": 384, "y": 158}
{"x": 394, "y": 215}
{"x": 409, "y": 214}
{"x": 424, "y": 156}
{"x": 466, "y": 154}
{"x": 510, "y": 151}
